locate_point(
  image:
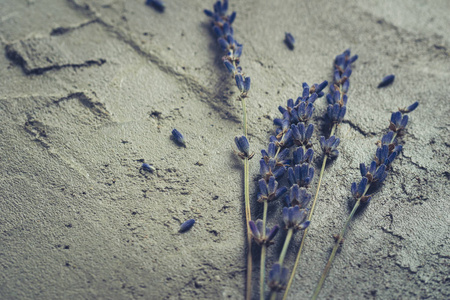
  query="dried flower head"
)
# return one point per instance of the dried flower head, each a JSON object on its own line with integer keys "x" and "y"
{"x": 294, "y": 217}
{"x": 278, "y": 278}
{"x": 257, "y": 229}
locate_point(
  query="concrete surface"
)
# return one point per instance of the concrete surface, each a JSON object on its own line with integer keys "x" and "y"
{"x": 92, "y": 88}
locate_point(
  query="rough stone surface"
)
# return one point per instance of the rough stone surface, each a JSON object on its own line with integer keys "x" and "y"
{"x": 93, "y": 88}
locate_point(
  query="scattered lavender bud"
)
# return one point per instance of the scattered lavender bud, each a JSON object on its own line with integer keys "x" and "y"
{"x": 148, "y": 168}
{"x": 278, "y": 278}
{"x": 409, "y": 108}
{"x": 230, "y": 67}
{"x": 239, "y": 82}
{"x": 179, "y": 138}
{"x": 187, "y": 225}
{"x": 388, "y": 80}
{"x": 289, "y": 40}
{"x": 157, "y": 4}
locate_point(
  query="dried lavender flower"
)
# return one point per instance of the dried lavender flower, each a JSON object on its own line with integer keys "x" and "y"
{"x": 329, "y": 146}
{"x": 278, "y": 277}
{"x": 257, "y": 229}
{"x": 295, "y": 218}
{"x": 388, "y": 80}
{"x": 178, "y": 137}
{"x": 148, "y": 168}
{"x": 269, "y": 190}
{"x": 187, "y": 225}
{"x": 156, "y": 4}
{"x": 289, "y": 40}
{"x": 243, "y": 146}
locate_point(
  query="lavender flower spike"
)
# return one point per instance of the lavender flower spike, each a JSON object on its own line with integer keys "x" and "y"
{"x": 329, "y": 147}
{"x": 179, "y": 138}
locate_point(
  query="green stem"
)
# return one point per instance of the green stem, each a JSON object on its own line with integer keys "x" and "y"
{"x": 249, "y": 236}
{"x": 273, "y": 295}
{"x": 286, "y": 245}
{"x": 335, "y": 249}
{"x": 262, "y": 275}
{"x": 302, "y": 243}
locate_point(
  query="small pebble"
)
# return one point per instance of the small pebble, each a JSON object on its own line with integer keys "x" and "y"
{"x": 388, "y": 80}
{"x": 187, "y": 225}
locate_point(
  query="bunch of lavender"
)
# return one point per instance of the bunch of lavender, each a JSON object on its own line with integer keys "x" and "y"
{"x": 293, "y": 131}
{"x": 372, "y": 176}
{"x": 221, "y": 25}
{"x": 337, "y": 107}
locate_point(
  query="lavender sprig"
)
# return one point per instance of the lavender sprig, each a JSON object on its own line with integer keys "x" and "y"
{"x": 388, "y": 149}
{"x": 337, "y": 107}
{"x": 221, "y": 25}
{"x": 293, "y": 131}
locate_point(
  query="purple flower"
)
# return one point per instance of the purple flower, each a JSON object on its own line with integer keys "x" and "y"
{"x": 329, "y": 146}
{"x": 295, "y": 218}
{"x": 388, "y": 80}
{"x": 269, "y": 191}
{"x": 298, "y": 196}
{"x": 156, "y": 4}
{"x": 258, "y": 230}
{"x": 300, "y": 156}
{"x": 187, "y": 225}
{"x": 289, "y": 40}
{"x": 178, "y": 137}
{"x": 301, "y": 175}
{"x": 278, "y": 278}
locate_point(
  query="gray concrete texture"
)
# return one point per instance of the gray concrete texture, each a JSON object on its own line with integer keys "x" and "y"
{"x": 92, "y": 88}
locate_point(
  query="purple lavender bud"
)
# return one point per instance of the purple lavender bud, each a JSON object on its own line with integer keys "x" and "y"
{"x": 238, "y": 52}
{"x": 386, "y": 81}
{"x": 226, "y": 29}
{"x": 179, "y": 138}
{"x": 242, "y": 145}
{"x": 208, "y": 13}
{"x": 223, "y": 44}
{"x": 362, "y": 169}
{"x": 278, "y": 278}
{"x": 345, "y": 86}
{"x": 353, "y": 59}
{"x": 347, "y": 72}
{"x": 379, "y": 173}
{"x": 254, "y": 229}
{"x": 218, "y": 31}
{"x": 232, "y": 17}
{"x": 224, "y": 6}
{"x": 272, "y": 233}
{"x": 187, "y": 225}
{"x": 218, "y": 7}
{"x": 321, "y": 86}
{"x": 239, "y": 82}
{"x": 263, "y": 168}
{"x": 148, "y": 168}
{"x": 411, "y": 107}
{"x": 330, "y": 99}
{"x": 289, "y": 40}
{"x": 247, "y": 84}
{"x": 230, "y": 67}
{"x": 372, "y": 168}
{"x": 337, "y": 76}
{"x": 387, "y": 138}
{"x": 157, "y": 4}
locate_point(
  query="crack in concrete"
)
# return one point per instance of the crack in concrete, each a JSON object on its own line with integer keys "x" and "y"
{"x": 190, "y": 83}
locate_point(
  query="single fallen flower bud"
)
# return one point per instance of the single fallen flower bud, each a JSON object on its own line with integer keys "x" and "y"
{"x": 179, "y": 138}
{"x": 187, "y": 225}
{"x": 386, "y": 81}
